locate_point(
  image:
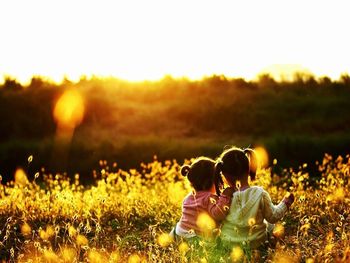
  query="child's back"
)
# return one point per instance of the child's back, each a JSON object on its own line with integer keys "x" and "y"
{"x": 245, "y": 221}
{"x": 202, "y": 200}
{"x": 197, "y": 203}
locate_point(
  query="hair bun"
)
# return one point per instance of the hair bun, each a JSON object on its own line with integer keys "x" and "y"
{"x": 185, "y": 170}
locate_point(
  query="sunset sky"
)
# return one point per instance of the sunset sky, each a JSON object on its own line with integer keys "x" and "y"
{"x": 139, "y": 40}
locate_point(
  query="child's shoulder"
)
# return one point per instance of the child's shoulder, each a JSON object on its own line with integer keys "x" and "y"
{"x": 260, "y": 191}
{"x": 198, "y": 195}
{"x": 189, "y": 196}
{"x": 256, "y": 188}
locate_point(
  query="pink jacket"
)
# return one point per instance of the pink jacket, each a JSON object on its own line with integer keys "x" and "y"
{"x": 217, "y": 207}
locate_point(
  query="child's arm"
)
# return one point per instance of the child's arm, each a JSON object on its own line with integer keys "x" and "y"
{"x": 272, "y": 213}
{"x": 219, "y": 206}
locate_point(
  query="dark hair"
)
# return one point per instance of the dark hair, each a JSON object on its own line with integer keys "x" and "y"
{"x": 253, "y": 162}
{"x": 200, "y": 173}
{"x": 235, "y": 164}
{"x": 219, "y": 183}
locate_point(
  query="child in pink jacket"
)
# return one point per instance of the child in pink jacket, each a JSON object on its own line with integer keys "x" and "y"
{"x": 202, "y": 200}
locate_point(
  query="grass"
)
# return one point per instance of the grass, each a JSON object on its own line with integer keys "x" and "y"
{"x": 124, "y": 216}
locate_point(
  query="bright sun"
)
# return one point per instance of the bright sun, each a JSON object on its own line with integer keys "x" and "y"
{"x": 138, "y": 40}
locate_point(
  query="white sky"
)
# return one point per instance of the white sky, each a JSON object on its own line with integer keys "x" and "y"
{"x": 147, "y": 39}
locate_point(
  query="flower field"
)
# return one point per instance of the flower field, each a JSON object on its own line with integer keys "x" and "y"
{"x": 125, "y": 216}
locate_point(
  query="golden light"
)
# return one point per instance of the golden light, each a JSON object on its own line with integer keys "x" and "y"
{"x": 206, "y": 224}
{"x": 237, "y": 254}
{"x": 69, "y": 110}
{"x": 26, "y": 229}
{"x": 72, "y": 231}
{"x": 21, "y": 177}
{"x": 278, "y": 230}
{"x": 114, "y": 256}
{"x": 82, "y": 240}
{"x": 68, "y": 254}
{"x": 339, "y": 194}
{"x": 50, "y": 231}
{"x": 134, "y": 258}
{"x": 96, "y": 257}
{"x": 132, "y": 44}
{"x": 50, "y": 256}
{"x": 262, "y": 156}
{"x": 164, "y": 240}
{"x": 251, "y": 221}
{"x": 285, "y": 72}
{"x": 47, "y": 234}
{"x": 183, "y": 248}
{"x": 282, "y": 256}
{"x": 30, "y": 158}
{"x": 286, "y": 195}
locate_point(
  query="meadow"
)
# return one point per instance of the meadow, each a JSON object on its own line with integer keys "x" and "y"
{"x": 124, "y": 216}
{"x": 94, "y": 177}
{"x": 297, "y": 121}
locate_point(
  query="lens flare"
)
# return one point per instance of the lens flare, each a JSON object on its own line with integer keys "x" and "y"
{"x": 96, "y": 257}
{"x": 50, "y": 256}
{"x": 21, "y": 177}
{"x": 262, "y": 155}
{"x": 278, "y": 230}
{"x": 251, "y": 221}
{"x": 114, "y": 256}
{"x": 69, "y": 110}
{"x": 134, "y": 258}
{"x": 237, "y": 254}
{"x": 183, "y": 248}
{"x": 26, "y": 229}
{"x": 68, "y": 254}
{"x": 68, "y": 114}
{"x": 82, "y": 240}
{"x": 164, "y": 240}
{"x": 206, "y": 224}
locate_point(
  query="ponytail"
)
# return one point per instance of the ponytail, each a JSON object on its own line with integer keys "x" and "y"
{"x": 253, "y": 162}
{"x": 217, "y": 177}
{"x": 185, "y": 170}
{"x": 200, "y": 173}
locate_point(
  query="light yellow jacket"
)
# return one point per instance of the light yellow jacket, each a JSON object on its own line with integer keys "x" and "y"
{"x": 246, "y": 219}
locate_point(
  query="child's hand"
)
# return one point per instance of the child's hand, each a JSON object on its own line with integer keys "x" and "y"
{"x": 288, "y": 199}
{"x": 228, "y": 191}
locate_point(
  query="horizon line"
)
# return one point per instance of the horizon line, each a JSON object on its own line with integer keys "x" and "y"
{"x": 283, "y": 77}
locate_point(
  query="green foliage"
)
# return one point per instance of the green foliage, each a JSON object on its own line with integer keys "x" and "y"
{"x": 130, "y": 122}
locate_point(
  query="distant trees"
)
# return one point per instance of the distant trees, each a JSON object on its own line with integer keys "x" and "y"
{"x": 266, "y": 81}
{"x": 11, "y": 84}
{"x": 168, "y": 83}
{"x": 345, "y": 78}
{"x": 215, "y": 107}
{"x": 36, "y": 83}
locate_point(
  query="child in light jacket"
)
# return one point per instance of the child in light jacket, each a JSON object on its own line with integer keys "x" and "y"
{"x": 251, "y": 206}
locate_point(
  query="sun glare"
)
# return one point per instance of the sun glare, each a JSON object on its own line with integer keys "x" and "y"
{"x": 138, "y": 40}
{"x": 20, "y": 177}
{"x": 262, "y": 155}
{"x": 69, "y": 110}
